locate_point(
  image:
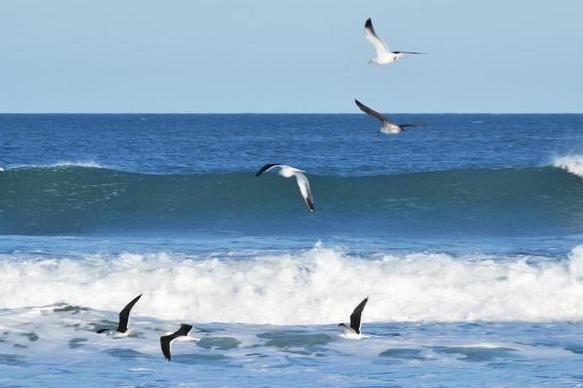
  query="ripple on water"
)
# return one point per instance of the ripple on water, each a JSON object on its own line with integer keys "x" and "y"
{"x": 403, "y": 353}
{"x": 294, "y": 338}
{"x": 126, "y": 354}
{"x": 77, "y": 342}
{"x": 219, "y": 343}
{"x": 476, "y": 353}
{"x": 11, "y": 359}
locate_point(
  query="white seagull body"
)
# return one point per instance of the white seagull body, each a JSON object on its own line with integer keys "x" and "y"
{"x": 301, "y": 179}
{"x": 388, "y": 127}
{"x": 352, "y": 330}
{"x": 384, "y": 54}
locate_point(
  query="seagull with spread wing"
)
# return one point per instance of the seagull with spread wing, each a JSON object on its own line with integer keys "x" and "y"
{"x": 301, "y": 179}
{"x": 167, "y": 339}
{"x": 124, "y": 316}
{"x": 388, "y": 127}
{"x": 352, "y": 330}
{"x": 384, "y": 55}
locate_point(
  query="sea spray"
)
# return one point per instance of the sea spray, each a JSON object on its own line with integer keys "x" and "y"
{"x": 317, "y": 286}
{"x": 571, "y": 163}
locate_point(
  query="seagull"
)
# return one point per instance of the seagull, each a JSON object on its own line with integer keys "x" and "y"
{"x": 166, "y": 340}
{"x": 124, "y": 316}
{"x": 384, "y": 55}
{"x": 353, "y": 330}
{"x": 388, "y": 127}
{"x": 288, "y": 172}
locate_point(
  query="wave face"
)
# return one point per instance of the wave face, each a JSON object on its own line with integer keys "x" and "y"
{"x": 317, "y": 286}
{"x": 77, "y": 200}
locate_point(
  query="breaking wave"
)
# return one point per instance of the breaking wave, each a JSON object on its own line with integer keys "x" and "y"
{"x": 571, "y": 163}
{"x": 317, "y": 286}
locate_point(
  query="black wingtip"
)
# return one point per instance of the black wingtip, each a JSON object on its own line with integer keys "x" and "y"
{"x": 186, "y": 327}
{"x": 368, "y": 24}
{"x": 265, "y": 168}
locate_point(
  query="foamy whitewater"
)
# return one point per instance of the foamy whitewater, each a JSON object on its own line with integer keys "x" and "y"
{"x": 572, "y": 164}
{"x": 314, "y": 287}
{"x": 465, "y": 238}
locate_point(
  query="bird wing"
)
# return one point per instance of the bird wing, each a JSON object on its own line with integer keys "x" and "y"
{"x": 409, "y": 52}
{"x": 165, "y": 345}
{"x": 124, "y": 315}
{"x": 356, "y": 315}
{"x": 266, "y": 168}
{"x": 304, "y": 185}
{"x": 184, "y": 330}
{"x": 166, "y": 340}
{"x": 381, "y": 48}
{"x": 371, "y": 112}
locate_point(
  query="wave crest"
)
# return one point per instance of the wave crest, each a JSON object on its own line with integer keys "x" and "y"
{"x": 571, "y": 163}
{"x": 318, "y": 286}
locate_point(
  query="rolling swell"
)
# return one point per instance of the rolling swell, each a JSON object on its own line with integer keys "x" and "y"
{"x": 79, "y": 200}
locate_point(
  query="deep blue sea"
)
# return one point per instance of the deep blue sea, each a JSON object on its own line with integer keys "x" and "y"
{"x": 466, "y": 234}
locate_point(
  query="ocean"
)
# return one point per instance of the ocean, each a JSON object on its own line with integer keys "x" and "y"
{"x": 465, "y": 234}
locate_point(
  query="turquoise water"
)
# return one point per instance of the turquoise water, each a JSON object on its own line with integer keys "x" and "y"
{"x": 465, "y": 234}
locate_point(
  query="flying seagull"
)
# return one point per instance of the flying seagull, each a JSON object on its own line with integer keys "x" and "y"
{"x": 166, "y": 340}
{"x": 302, "y": 180}
{"x": 388, "y": 127}
{"x": 124, "y": 316}
{"x": 384, "y": 55}
{"x": 353, "y": 330}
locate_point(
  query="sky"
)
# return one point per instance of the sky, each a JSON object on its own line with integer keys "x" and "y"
{"x": 289, "y": 56}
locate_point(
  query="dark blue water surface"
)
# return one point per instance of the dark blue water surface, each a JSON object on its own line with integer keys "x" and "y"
{"x": 340, "y": 144}
{"x": 456, "y": 177}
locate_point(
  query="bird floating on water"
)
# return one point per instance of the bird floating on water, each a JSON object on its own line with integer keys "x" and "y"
{"x": 384, "y": 55}
{"x": 388, "y": 126}
{"x": 302, "y": 180}
{"x": 124, "y": 316}
{"x": 166, "y": 340}
{"x": 352, "y": 330}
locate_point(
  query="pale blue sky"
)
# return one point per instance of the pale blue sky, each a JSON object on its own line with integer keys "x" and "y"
{"x": 289, "y": 56}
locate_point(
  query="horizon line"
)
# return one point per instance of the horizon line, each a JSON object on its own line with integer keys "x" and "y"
{"x": 286, "y": 113}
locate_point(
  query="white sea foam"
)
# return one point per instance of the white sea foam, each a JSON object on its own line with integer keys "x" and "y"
{"x": 318, "y": 286}
{"x": 571, "y": 163}
{"x": 83, "y": 163}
